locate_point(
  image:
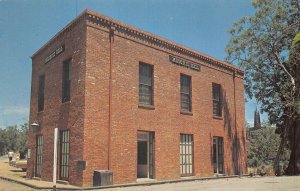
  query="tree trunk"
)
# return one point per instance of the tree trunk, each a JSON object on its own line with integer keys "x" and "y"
{"x": 276, "y": 165}
{"x": 294, "y": 163}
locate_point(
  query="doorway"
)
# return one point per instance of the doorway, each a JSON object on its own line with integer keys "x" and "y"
{"x": 39, "y": 155}
{"x": 145, "y": 154}
{"x": 186, "y": 155}
{"x": 218, "y": 155}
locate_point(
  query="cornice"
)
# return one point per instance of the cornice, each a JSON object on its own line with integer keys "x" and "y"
{"x": 133, "y": 32}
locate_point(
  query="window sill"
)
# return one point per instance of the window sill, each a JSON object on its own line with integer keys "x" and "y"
{"x": 66, "y": 102}
{"x": 188, "y": 176}
{"x": 218, "y": 117}
{"x": 40, "y": 112}
{"x": 150, "y": 107}
{"x": 186, "y": 112}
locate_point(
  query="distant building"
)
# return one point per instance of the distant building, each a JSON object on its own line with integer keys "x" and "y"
{"x": 133, "y": 103}
{"x": 257, "y": 123}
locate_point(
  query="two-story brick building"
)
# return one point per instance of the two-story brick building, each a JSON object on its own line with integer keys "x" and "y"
{"x": 134, "y": 103}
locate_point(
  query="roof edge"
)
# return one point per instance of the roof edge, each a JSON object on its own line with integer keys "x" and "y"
{"x": 123, "y": 27}
{"x": 109, "y": 22}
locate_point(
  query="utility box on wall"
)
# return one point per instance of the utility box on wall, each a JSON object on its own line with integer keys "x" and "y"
{"x": 102, "y": 178}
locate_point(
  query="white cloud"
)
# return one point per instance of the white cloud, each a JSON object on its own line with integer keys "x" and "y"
{"x": 8, "y": 110}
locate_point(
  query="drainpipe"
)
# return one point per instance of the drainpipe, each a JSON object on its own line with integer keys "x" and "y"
{"x": 111, "y": 40}
{"x": 234, "y": 98}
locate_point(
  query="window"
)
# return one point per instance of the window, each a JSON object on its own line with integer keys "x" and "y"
{"x": 41, "y": 93}
{"x": 186, "y": 155}
{"x": 64, "y": 154}
{"x": 66, "y": 81}
{"x": 185, "y": 93}
{"x": 38, "y": 159}
{"x": 145, "y": 84}
{"x": 217, "y": 109}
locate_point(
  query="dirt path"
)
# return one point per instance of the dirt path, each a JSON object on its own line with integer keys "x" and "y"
{"x": 11, "y": 186}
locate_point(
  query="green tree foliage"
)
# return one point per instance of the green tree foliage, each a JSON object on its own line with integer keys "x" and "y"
{"x": 22, "y": 141}
{"x": 261, "y": 44}
{"x": 263, "y": 144}
{"x": 14, "y": 138}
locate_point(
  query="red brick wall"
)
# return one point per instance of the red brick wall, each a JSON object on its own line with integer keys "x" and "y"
{"x": 165, "y": 120}
{"x": 96, "y": 103}
{"x": 68, "y": 115}
{"x": 87, "y": 115}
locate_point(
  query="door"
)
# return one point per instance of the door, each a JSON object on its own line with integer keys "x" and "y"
{"x": 145, "y": 155}
{"x": 64, "y": 154}
{"x": 218, "y": 155}
{"x": 186, "y": 155}
{"x": 39, "y": 157}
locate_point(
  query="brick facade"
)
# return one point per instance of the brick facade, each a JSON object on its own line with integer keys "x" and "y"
{"x": 104, "y": 116}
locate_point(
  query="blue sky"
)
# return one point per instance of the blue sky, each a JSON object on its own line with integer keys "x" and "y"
{"x": 25, "y": 25}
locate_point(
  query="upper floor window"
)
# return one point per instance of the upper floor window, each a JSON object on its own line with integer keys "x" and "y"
{"x": 66, "y": 81}
{"x": 217, "y": 104}
{"x": 185, "y": 93}
{"x": 145, "y": 84}
{"x": 41, "y": 93}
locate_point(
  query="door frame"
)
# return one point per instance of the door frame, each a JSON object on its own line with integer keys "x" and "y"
{"x": 185, "y": 155}
{"x": 217, "y": 138}
{"x": 38, "y": 155}
{"x": 149, "y": 137}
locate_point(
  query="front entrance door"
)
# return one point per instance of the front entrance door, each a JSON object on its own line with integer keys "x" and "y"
{"x": 218, "y": 155}
{"x": 145, "y": 154}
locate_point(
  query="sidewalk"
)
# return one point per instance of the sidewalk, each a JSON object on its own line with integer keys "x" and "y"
{"x": 230, "y": 183}
{"x": 14, "y": 174}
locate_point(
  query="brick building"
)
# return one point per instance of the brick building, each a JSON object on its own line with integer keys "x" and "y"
{"x": 133, "y": 103}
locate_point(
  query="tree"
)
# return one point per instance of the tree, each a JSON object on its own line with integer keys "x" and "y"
{"x": 263, "y": 144}
{"x": 294, "y": 130}
{"x": 3, "y": 146}
{"x": 23, "y": 135}
{"x": 260, "y": 44}
{"x": 14, "y": 138}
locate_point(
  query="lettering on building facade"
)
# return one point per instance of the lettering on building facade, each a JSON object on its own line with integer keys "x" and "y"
{"x": 184, "y": 63}
{"x": 54, "y": 54}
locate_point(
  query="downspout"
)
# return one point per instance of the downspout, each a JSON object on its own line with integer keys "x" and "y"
{"x": 234, "y": 98}
{"x": 111, "y": 40}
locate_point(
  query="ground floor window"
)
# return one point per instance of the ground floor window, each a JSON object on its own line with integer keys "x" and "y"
{"x": 39, "y": 156}
{"x": 64, "y": 154}
{"x": 218, "y": 155}
{"x": 145, "y": 154}
{"x": 186, "y": 155}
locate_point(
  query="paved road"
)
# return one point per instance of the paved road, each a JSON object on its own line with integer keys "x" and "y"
{"x": 233, "y": 184}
